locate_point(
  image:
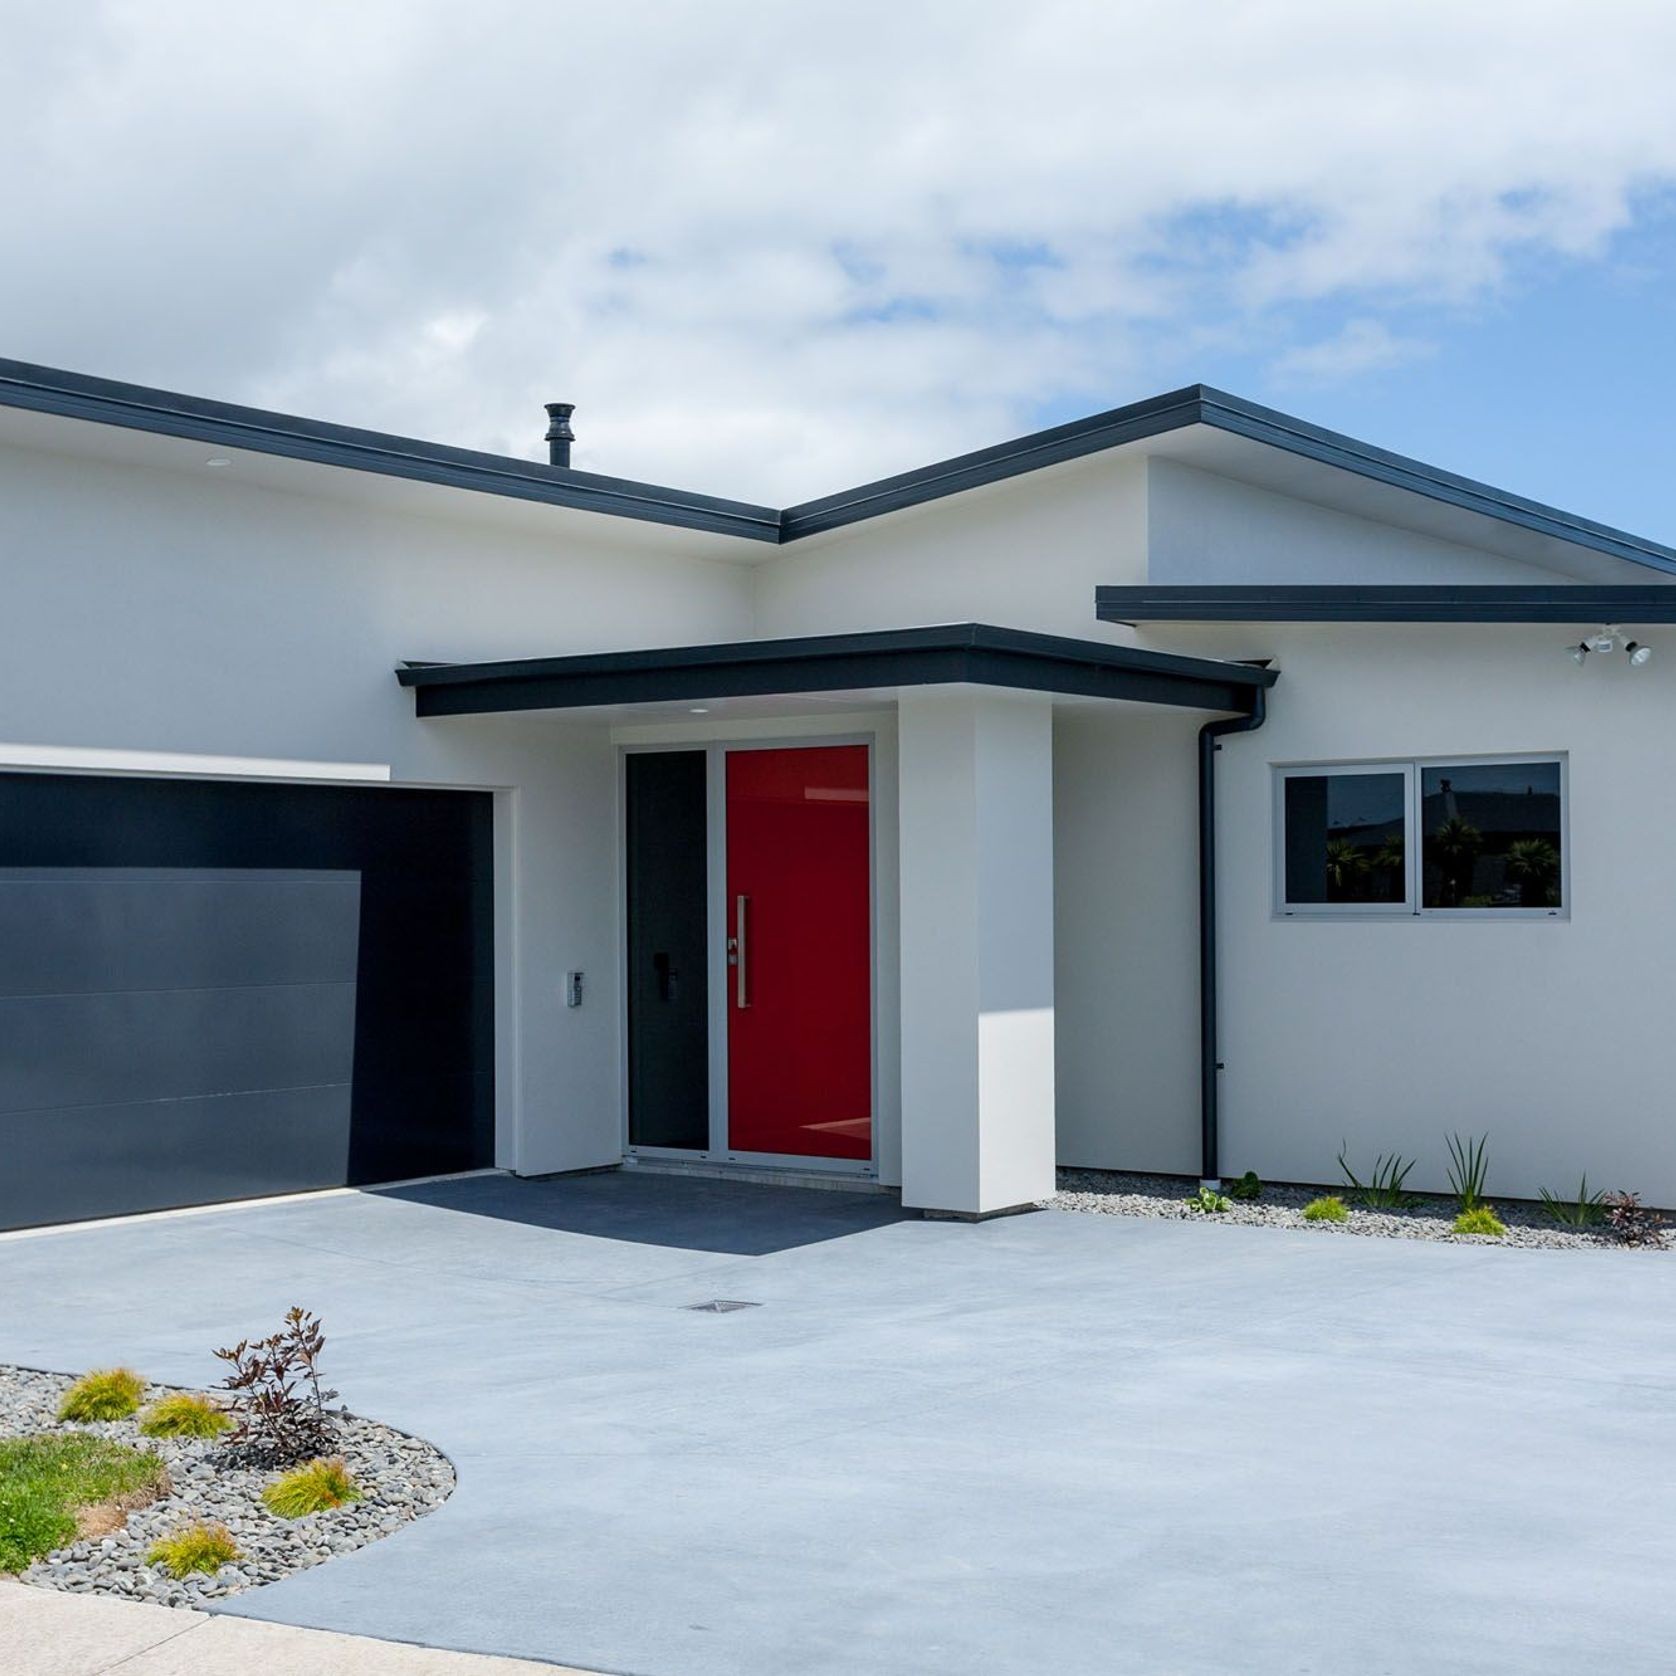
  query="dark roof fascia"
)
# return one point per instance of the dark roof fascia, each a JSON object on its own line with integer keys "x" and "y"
{"x": 1407, "y": 604}
{"x": 224, "y": 425}
{"x": 221, "y": 424}
{"x": 1072, "y": 441}
{"x": 970, "y": 653}
{"x": 1199, "y": 404}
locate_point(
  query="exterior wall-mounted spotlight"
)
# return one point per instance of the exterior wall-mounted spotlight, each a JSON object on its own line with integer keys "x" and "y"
{"x": 1609, "y": 639}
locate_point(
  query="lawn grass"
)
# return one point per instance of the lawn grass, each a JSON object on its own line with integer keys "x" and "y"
{"x": 43, "y": 1480}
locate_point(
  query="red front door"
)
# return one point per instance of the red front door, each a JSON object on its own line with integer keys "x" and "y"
{"x": 799, "y": 1000}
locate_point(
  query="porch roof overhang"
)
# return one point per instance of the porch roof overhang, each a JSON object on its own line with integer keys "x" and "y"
{"x": 1497, "y": 603}
{"x": 967, "y": 653}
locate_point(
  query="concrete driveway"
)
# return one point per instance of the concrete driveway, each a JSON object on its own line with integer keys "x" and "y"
{"x": 1050, "y": 1443}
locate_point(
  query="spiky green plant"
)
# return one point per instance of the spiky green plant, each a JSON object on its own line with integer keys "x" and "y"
{"x": 312, "y": 1489}
{"x": 1328, "y": 1208}
{"x": 1587, "y": 1210}
{"x": 106, "y": 1394}
{"x": 195, "y": 1547}
{"x": 184, "y": 1414}
{"x": 1468, "y": 1165}
{"x": 1480, "y": 1220}
{"x": 1384, "y": 1189}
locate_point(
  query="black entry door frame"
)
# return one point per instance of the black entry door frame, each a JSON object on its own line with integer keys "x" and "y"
{"x": 711, "y": 751}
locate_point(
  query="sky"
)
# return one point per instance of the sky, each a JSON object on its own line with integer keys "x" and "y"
{"x": 775, "y": 250}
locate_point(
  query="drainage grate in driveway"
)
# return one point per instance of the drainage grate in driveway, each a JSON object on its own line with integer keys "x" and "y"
{"x": 721, "y": 1306}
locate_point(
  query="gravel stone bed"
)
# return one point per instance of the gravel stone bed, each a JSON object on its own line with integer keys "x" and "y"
{"x": 401, "y": 1479}
{"x": 1119, "y": 1193}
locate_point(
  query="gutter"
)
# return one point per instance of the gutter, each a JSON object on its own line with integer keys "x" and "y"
{"x": 1210, "y": 1058}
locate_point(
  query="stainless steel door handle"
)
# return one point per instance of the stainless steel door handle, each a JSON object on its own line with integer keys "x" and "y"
{"x": 741, "y": 952}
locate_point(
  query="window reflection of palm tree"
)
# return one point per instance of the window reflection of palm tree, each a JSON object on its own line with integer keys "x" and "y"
{"x": 1458, "y": 843}
{"x": 1388, "y": 859}
{"x": 1534, "y": 865}
{"x": 1347, "y": 865}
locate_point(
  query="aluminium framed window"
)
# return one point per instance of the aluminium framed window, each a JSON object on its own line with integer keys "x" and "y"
{"x": 1430, "y": 837}
{"x": 1342, "y": 839}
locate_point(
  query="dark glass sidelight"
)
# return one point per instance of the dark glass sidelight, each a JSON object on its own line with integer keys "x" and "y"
{"x": 1490, "y": 836}
{"x": 1345, "y": 839}
{"x": 666, "y": 817}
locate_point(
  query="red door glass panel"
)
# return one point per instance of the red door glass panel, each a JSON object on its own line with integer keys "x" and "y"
{"x": 799, "y": 998}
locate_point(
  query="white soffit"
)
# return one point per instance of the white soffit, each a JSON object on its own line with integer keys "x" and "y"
{"x": 1245, "y": 460}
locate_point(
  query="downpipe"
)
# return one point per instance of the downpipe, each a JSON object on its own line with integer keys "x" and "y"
{"x": 1210, "y": 1061}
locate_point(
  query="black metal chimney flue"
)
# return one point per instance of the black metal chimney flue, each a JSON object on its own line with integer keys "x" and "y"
{"x": 559, "y": 434}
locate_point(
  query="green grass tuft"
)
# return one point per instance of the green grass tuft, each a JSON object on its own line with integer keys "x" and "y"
{"x": 312, "y": 1489}
{"x": 1480, "y": 1220}
{"x": 181, "y": 1414}
{"x": 1329, "y": 1208}
{"x": 109, "y": 1394}
{"x": 199, "y": 1547}
{"x": 43, "y": 1480}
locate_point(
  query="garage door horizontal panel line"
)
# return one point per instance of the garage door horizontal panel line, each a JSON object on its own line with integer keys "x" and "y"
{"x": 257, "y": 877}
{"x": 177, "y": 1099}
{"x": 173, "y": 989}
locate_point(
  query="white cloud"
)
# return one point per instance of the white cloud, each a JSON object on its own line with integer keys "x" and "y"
{"x": 1360, "y": 346}
{"x": 769, "y": 249}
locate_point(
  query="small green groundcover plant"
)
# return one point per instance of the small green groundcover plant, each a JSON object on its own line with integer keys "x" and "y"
{"x": 44, "y": 1480}
{"x": 195, "y": 1547}
{"x": 1207, "y": 1200}
{"x": 107, "y": 1394}
{"x": 312, "y": 1489}
{"x": 1329, "y": 1208}
{"x": 1248, "y": 1187}
{"x": 184, "y": 1414}
{"x": 1480, "y": 1220}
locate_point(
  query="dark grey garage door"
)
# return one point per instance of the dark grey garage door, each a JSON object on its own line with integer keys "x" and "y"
{"x": 212, "y": 991}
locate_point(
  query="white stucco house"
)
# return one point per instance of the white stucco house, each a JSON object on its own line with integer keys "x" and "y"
{"x": 1184, "y": 789}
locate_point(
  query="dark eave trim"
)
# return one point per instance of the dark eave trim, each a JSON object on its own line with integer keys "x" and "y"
{"x": 223, "y": 425}
{"x": 1442, "y": 604}
{"x": 1199, "y": 404}
{"x": 1133, "y": 423}
{"x": 973, "y": 653}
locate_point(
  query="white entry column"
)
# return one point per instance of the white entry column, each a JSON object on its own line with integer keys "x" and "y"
{"x": 975, "y": 817}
